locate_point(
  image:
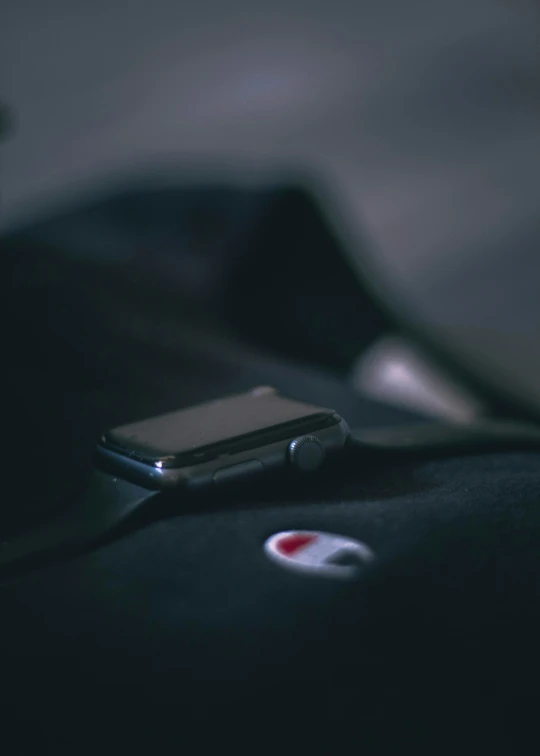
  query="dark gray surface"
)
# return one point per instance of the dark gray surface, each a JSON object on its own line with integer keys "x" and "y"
{"x": 422, "y": 119}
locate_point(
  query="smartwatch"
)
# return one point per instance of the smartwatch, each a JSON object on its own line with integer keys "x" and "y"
{"x": 203, "y": 448}
{"x": 212, "y": 446}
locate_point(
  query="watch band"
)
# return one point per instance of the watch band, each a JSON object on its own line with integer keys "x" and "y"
{"x": 105, "y": 504}
{"x": 436, "y": 439}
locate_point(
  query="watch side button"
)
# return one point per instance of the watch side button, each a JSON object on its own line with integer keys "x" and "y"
{"x": 306, "y": 453}
{"x": 238, "y": 471}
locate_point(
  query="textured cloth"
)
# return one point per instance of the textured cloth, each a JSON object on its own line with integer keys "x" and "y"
{"x": 182, "y": 634}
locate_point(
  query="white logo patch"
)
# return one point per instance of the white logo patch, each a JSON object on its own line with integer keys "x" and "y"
{"x": 316, "y": 553}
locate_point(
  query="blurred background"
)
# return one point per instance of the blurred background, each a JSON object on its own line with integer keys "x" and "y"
{"x": 415, "y": 128}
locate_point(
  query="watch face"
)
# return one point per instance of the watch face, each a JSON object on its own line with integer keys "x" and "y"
{"x": 201, "y": 433}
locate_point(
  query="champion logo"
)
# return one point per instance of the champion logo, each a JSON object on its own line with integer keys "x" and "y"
{"x": 316, "y": 553}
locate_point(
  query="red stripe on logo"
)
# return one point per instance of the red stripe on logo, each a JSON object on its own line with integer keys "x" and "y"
{"x": 292, "y": 543}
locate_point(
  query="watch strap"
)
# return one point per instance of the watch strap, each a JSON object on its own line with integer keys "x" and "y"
{"x": 435, "y": 439}
{"x": 105, "y": 504}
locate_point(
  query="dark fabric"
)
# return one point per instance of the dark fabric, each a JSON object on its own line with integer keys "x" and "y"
{"x": 186, "y": 625}
{"x": 182, "y": 635}
{"x": 266, "y": 262}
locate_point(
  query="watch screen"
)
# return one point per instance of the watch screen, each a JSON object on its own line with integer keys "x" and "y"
{"x": 206, "y": 430}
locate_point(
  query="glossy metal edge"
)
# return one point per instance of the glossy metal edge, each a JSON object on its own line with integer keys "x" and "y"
{"x": 272, "y": 456}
